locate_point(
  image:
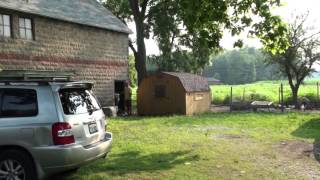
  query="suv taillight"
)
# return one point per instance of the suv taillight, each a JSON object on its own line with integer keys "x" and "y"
{"x": 62, "y": 134}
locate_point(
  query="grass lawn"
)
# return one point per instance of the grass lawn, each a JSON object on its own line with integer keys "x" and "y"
{"x": 210, "y": 146}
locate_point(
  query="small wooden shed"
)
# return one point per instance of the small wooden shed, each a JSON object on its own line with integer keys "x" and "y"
{"x": 173, "y": 93}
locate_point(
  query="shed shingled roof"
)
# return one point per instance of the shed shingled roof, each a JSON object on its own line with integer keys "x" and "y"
{"x": 191, "y": 82}
{"x": 85, "y": 12}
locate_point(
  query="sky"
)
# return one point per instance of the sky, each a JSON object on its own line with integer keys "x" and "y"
{"x": 289, "y": 7}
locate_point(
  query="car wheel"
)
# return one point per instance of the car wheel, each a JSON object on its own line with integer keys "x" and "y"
{"x": 71, "y": 171}
{"x": 16, "y": 165}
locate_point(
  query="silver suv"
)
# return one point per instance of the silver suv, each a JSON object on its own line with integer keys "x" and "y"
{"x": 49, "y": 127}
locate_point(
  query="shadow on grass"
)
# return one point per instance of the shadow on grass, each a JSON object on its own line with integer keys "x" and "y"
{"x": 183, "y": 118}
{"x": 311, "y": 130}
{"x": 133, "y": 162}
{"x": 128, "y": 118}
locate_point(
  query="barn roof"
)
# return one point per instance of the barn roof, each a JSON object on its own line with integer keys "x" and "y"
{"x": 191, "y": 82}
{"x": 85, "y": 12}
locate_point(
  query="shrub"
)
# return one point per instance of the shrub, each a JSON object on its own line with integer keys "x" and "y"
{"x": 258, "y": 97}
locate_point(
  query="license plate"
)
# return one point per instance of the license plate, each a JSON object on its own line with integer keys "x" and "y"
{"x": 93, "y": 128}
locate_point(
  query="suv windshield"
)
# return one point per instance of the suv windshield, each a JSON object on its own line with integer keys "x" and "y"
{"x": 78, "y": 101}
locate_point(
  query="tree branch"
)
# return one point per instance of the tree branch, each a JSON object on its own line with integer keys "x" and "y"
{"x": 134, "y": 5}
{"x": 133, "y": 49}
{"x": 310, "y": 37}
{"x": 287, "y": 69}
{"x": 143, "y": 6}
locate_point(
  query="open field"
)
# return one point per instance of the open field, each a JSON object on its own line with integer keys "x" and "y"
{"x": 265, "y": 90}
{"x": 210, "y": 146}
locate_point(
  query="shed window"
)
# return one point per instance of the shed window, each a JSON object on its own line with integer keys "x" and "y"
{"x": 199, "y": 97}
{"x": 160, "y": 91}
{"x": 25, "y": 28}
{"x": 5, "y": 25}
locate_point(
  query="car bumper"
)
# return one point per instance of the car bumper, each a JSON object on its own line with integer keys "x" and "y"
{"x": 57, "y": 159}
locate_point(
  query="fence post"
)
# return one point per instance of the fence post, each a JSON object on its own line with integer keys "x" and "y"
{"x": 317, "y": 94}
{"x": 231, "y": 99}
{"x": 279, "y": 95}
{"x": 244, "y": 94}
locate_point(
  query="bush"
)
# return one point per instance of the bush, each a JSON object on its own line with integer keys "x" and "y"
{"x": 311, "y": 97}
{"x": 258, "y": 97}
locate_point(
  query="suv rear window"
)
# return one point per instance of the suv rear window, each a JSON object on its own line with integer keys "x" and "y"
{"x": 18, "y": 103}
{"x": 78, "y": 101}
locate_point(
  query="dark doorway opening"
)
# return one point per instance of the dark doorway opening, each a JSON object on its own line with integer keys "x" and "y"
{"x": 119, "y": 95}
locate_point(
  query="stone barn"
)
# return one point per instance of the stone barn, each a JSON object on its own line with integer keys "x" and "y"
{"x": 173, "y": 93}
{"x": 79, "y": 36}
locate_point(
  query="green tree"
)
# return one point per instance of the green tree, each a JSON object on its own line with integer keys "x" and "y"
{"x": 241, "y": 66}
{"x": 195, "y": 26}
{"x": 180, "y": 61}
{"x": 132, "y": 72}
{"x": 299, "y": 55}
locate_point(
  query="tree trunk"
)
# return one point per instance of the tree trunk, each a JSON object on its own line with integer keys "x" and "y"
{"x": 295, "y": 97}
{"x": 139, "y": 9}
{"x": 141, "y": 54}
{"x": 294, "y": 87}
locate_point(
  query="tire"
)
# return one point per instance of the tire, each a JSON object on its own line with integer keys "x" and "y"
{"x": 15, "y": 163}
{"x": 64, "y": 174}
{"x": 72, "y": 171}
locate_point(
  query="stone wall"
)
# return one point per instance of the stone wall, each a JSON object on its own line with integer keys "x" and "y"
{"x": 93, "y": 54}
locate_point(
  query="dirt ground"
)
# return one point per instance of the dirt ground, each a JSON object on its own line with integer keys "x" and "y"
{"x": 215, "y": 108}
{"x": 300, "y": 152}
{"x": 219, "y": 108}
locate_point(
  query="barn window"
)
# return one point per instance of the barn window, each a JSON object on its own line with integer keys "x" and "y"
{"x": 26, "y": 29}
{"x": 5, "y": 25}
{"x": 160, "y": 91}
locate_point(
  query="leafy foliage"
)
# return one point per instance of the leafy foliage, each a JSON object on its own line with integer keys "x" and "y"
{"x": 193, "y": 28}
{"x": 132, "y": 72}
{"x": 182, "y": 61}
{"x": 241, "y": 66}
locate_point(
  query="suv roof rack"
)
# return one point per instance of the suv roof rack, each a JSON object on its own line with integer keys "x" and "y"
{"x": 23, "y": 76}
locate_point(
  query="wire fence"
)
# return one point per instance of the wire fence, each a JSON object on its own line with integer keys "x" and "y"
{"x": 279, "y": 94}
